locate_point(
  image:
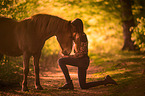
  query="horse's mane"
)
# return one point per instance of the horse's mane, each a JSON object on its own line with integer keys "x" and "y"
{"x": 44, "y": 22}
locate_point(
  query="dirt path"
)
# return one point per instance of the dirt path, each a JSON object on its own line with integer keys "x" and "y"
{"x": 53, "y": 79}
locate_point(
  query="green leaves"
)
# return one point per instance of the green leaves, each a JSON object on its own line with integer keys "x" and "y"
{"x": 139, "y": 33}
{"x": 18, "y": 9}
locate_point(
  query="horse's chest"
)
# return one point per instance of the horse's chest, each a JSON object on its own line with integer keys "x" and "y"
{"x": 9, "y": 46}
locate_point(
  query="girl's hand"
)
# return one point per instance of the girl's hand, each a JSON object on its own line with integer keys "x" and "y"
{"x": 65, "y": 56}
{"x": 68, "y": 56}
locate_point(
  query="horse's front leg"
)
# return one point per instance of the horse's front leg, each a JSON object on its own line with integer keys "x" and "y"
{"x": 26, "y": 58}
{"x": 36, "y": 69}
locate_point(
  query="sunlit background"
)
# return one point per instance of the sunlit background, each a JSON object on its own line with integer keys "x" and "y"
{"x": 102, "y": 24}
{"x": 103, "y": 28}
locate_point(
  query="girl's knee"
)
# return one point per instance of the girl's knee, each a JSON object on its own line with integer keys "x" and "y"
{"x": 60, "y": 61}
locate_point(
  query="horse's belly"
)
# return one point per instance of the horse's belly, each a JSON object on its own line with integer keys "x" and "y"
{"x": 11, "y": 52}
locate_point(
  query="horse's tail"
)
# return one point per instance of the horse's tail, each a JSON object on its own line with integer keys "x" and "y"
{"x": 1, "y": 56}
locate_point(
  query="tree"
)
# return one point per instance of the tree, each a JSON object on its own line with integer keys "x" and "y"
{"x": 124, "y": 9}
{"x": 129, "y": 11}
{"x": 127, "y": 23}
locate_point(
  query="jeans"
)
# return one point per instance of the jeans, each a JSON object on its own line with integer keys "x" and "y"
{"x": 82, "y": 64}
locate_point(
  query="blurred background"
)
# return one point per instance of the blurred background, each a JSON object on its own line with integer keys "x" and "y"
{"x": 111, "y": 26}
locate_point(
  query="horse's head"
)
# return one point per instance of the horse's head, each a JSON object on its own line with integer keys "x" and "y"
{"x": 65, "y": 39}
{"x": 71, "y": 32}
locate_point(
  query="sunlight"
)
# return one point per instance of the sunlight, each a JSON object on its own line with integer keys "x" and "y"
{"x": 103, "y": 25}
{"x": 111, "y": 73}
{"x": 101, "y": 35}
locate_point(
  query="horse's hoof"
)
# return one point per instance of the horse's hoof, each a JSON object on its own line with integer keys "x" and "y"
{"x": 24, "y": 89}
{"x": 39, "y": 87}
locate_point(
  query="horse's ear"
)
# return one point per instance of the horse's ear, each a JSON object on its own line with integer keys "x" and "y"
{"x": 69, "y": 24}
{"x": 78, "y": 24}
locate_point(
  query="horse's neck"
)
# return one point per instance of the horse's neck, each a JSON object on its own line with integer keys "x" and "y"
{"x": 49, "y": 33}
{"x": 48, "y": 26}
{"x": 54, "y": 30}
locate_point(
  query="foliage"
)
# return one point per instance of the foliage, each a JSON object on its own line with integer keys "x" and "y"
{"x": 49, "y": 54}
{"x": 138, "y": 8}
{"x": 51, "y": 47}
{"x": 10, "y": 73}
{"x": 102, "y": 27}
{"x": 139, "y": 33}
{"x": 138, "y": 36}
{"x": 18, "y": 9}
{"x": 10, "y": 70}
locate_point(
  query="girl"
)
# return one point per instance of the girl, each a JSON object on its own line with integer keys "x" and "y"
{"x": 80, "y": 60}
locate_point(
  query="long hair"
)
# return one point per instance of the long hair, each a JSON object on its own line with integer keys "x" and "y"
{"x": 78, "y": 25}
{"x": 79, "y": 36}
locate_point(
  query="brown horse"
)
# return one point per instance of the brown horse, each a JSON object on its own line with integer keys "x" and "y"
{"x": 27, "y": 37}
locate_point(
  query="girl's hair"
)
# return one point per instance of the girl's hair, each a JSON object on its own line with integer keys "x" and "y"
{"x": 78, "y": 25}
{"x": 83, "y": 38}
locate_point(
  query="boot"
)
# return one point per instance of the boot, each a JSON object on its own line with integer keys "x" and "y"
{"x": 68, "y": 86}
{"x": 109, "y": 80}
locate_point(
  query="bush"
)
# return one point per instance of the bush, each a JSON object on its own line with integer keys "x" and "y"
{"x": 10, "y": 73}
{"x": 18, "y": 9}
{"x": 139, "y": 33}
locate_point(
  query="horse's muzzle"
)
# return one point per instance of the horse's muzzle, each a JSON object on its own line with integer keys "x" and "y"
{"x": 65, "y": 53}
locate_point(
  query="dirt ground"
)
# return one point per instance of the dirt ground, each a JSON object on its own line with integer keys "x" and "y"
{"x": 51, "y": 80}
{"x": 127, "y": 72}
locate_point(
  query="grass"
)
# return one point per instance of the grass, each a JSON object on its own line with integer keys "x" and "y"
{"x": 126, "y": 68}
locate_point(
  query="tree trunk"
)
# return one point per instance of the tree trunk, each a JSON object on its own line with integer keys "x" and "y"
{"x": 128, "y": 21}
